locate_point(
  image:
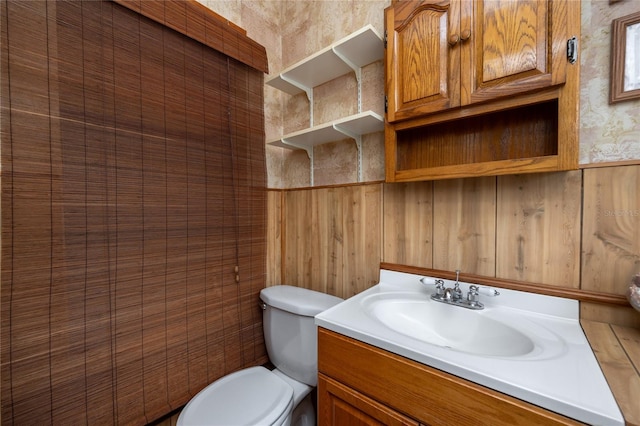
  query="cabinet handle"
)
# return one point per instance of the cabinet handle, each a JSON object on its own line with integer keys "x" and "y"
{"x": 454, "y": 39}
{"x": 465, "y": 35}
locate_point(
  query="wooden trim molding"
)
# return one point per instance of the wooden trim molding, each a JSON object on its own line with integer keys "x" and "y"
{"x": 200, "y": 23}
{"x": 610, "y": 164}
{"x": 549, "y": 290}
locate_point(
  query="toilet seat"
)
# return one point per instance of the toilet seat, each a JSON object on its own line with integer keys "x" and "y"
{"x": 253, "y": 396}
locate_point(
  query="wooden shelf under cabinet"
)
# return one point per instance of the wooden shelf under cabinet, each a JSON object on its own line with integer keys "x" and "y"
{"x": 490, "y": 143}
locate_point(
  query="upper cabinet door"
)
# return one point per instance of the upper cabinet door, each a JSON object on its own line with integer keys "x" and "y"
{"x": 447, "y": 54}
{"x": 510, "y": 47}
{"x": 422, "y": 69}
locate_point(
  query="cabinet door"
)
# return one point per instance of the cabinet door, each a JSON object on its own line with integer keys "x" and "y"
{"x": 422, "y": 69}
{"x": 512, "y": 47}
{"x": 340, "y": 405}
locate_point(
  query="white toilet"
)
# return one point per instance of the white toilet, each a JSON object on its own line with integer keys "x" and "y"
{"x": 256, "y": 395}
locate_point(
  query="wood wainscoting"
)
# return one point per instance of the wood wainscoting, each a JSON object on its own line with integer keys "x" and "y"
{"x": 574, "y": 234}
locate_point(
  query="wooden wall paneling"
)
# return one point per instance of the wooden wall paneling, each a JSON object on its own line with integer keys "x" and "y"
{"x": 408, "y": 224}
{"x": 333, "y": 238}
{"x": 538, "y": 228}
{"x": 610, "y": 238}
{"x": 362, "y": 222}
{"x": 464, "y": 225}
{"x": 297, "y": 253}
{"x": 621, "y": 315}
{"x": 326, "y": 239}
{"x": 616, "y": 361}
{"x": 274, "y": 236}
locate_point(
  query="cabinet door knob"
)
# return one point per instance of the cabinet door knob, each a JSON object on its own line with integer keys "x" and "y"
{"x": 454, "y": 39}
{"x": 465, "y": 35}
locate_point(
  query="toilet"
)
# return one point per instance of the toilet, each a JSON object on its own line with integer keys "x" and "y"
{"x": 257, "y": 395}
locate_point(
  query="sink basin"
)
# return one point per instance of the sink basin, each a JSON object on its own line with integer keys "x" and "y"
{"x": 454, "y": 327}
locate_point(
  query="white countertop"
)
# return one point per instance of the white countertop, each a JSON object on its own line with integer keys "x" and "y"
{"x": 561, "y": 374}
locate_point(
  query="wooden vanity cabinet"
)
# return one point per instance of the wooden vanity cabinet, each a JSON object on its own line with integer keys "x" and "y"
{"x": 359, "y": 384}
{"x": 448, "y": 63}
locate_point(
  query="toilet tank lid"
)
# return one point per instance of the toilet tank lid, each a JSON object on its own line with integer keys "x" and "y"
{"x": 298, "y": 300}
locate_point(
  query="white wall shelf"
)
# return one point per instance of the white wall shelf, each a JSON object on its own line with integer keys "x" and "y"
{"x": 353, "y": 126}
{"x": 348, "y": 54}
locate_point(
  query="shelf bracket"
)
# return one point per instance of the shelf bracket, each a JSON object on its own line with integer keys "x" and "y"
{"x": 356, "y": 69}
{"x": 308, "y": 150}
{"x": 305, "y": 89}
{"x": 358, "y": 139}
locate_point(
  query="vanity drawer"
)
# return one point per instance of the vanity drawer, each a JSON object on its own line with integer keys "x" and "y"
{"x": 421, "y": 392}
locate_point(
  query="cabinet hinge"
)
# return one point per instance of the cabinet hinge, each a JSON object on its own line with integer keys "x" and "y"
{"x": 385, "y": 39}
{"x": 572, "y": 50}
{"x": 386, "y": 103}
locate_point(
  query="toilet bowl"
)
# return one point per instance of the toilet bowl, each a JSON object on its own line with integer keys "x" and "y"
{"x": 257, "y": 395}
{"x": 253, "y": 396}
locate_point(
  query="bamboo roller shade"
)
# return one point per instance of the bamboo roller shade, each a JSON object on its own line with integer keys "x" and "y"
{"x": 133, "y": 184}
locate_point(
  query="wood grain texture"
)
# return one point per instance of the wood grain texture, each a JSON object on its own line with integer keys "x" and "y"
{"x": 464, "y": 231}
{"x": 275, "y": 237}
{"x": 538, "y": 228}
{"x": 419, "y": 391}
{"x": 333, "y": 238}
{"x": 510, "y": 49}
{"x": 408, "y": 223}
{"x": 526, "y": 132}
{"x": 611, "y": 234}
{"x": 614, "y": 347}
{"x": 611, "y": 228}
{"x": 422, "y": 70}
{"x": 341, "y": 405}
{"x": 509, "y": 56}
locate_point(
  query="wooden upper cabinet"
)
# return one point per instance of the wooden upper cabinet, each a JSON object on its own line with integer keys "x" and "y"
{"x": 422, "y": 71}
{"x": 447, "y": 54}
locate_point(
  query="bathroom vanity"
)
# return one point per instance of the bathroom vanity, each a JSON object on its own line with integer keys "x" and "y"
{"x": 362, "y": 384}
{"x": 392, "y": 355}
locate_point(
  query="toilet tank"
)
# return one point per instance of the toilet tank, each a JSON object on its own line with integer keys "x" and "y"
{"x": 290, "y": 332}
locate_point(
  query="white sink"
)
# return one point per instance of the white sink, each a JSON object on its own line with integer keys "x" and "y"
{"x": 449, "y": 326}
{"x": 526, "y": 345}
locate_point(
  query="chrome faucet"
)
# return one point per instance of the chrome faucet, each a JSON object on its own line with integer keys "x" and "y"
{"x": 453, "y": 296}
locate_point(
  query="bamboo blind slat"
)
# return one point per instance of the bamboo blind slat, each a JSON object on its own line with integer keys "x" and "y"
{"x": 200, "y": 23}
{"x": 133, "y": 184}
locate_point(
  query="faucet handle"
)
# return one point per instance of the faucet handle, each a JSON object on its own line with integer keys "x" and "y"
{"x": 488, "y": 291}
{"x": 473, "y": 295}
{"x": 434, "y": 281}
